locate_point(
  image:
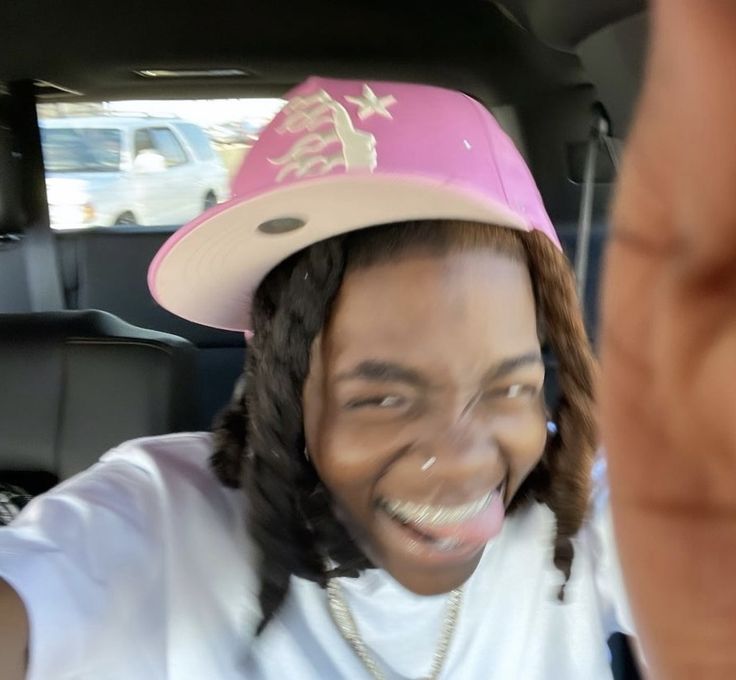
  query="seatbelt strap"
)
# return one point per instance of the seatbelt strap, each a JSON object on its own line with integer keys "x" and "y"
{"x": 39, "y": 245}
{"x": 599, "y": 134}
{"x": 585, "y": 216}
{"x": 612, "y": 146}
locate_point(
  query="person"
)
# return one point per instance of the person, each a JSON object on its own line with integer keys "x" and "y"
{"x": 669, "y": 347}
{"x": 388, "y": 495}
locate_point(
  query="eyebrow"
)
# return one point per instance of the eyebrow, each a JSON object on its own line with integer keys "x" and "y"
{"x": 508, "y": 366}
{"x": 388, "y": 371}
{"x": 384, "y": 371}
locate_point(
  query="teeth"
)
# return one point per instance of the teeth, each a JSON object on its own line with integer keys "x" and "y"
{"x": 446, "y": 543}
{"x": 437, "y": 515}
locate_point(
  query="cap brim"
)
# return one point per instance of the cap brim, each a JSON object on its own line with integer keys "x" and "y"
{"x": 208, "y": 271}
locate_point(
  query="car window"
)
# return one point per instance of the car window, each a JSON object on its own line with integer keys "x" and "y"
{"x": 71, "y": 149}
{"x": 110, "y": 163}
{"x": 197, "y": 140}
{"x": 166, "y": 143}
{"x": 142, "y": 141}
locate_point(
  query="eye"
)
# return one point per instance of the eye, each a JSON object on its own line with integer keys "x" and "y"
{"x": 516, "y": 391}
{"x": 383, "y": 401}
{"x": 520, "y": 390}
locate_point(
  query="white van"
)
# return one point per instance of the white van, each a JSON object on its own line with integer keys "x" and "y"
{"x": 107, "y": 170}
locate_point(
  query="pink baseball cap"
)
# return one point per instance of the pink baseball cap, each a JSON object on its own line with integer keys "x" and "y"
{"x": 343, "y": 155}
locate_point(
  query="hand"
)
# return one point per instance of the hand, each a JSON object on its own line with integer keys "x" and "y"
{"x": 669, "y": 346}
{"x": 13, "y": 634}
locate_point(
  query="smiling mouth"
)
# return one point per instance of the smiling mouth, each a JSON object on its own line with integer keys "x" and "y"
{"x": 424, "y": 514}
{"x": 447, "y": 529}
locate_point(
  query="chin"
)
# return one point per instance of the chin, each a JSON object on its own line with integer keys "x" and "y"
{"x": 431, "y": 579}
{"x": 422, "y": 566}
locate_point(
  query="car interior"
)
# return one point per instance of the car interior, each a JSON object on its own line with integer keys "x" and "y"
{"x": 87, "y": 358}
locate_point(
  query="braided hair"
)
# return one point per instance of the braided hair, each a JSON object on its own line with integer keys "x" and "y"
{"x": 259, "y": 438}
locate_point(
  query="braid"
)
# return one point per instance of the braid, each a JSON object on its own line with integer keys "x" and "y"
{"x": 230, "y": 437}
{"x": 562, "y": 479}
{"x": 259, "y": 439}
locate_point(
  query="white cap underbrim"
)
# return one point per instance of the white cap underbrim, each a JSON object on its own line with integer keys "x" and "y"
{"x": 209, "y": 270}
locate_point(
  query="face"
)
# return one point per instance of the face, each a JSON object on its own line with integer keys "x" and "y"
{"x": 424, "y": 409}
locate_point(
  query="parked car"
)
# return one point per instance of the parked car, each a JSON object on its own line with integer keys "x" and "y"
{"x": 106, "y": 171}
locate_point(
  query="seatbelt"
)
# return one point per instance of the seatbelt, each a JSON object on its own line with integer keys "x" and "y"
{"x": 38, "y": 243}
{"x": 599, "y": 135}
{"x": 612, "y": 146}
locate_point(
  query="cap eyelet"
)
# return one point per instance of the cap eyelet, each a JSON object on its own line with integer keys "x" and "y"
{"x": 281, "y": 225}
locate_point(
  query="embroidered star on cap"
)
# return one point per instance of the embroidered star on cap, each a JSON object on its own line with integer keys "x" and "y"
{"x": 369, "y": 104}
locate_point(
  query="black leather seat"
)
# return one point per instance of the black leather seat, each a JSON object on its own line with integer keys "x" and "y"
{"x": 75, "y": 383}
{"x": 97, "y": 264}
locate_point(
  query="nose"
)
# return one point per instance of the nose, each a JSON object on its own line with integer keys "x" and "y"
{"x": 462, "y": 459}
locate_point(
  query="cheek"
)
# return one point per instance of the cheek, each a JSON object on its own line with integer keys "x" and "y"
{"x": 348, "y": 468}
{"x": 523, "y": 438}
{"x": 356, "y": 447}
{"x": 347, "y": 464}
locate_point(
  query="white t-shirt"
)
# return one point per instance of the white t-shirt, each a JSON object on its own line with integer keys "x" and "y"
{"x": 141, "y": 568}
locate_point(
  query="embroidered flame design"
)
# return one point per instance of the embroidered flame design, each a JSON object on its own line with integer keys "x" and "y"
{"x": 318, "y": 151}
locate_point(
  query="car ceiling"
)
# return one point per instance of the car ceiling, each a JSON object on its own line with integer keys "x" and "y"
{"x": 499, "y": 51}
{"x": 93, "y": 50}
{"x": 550, "y": 59}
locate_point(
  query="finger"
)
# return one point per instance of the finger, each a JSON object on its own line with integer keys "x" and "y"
{"x": 689, "y": 111}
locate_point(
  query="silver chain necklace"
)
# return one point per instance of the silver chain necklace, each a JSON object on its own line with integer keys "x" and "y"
{"x": 345, "y": 622}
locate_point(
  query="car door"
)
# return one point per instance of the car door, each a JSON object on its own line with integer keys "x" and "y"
{"x": 164, "y": 189}
{"x": 152, "y": 190}
{"x": 179, "y": 196}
